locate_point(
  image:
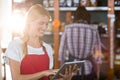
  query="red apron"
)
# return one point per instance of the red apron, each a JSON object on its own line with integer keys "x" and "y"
{"x": 35, "y": 63}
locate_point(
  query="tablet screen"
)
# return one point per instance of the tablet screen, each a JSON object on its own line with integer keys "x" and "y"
{"x": 66, "y": 65}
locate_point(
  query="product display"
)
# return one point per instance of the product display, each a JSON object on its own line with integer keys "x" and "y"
{"x": 117, "y": 2}
{"x": 62, "y": 3}
{"x": 51, "y": 3}
{"x": 85, "y": 2}
{"x": 69, "y": 3}
{"x": 45, "y": 3}
{"x": 76, "y": 3}
{"x": 93, "y": 2}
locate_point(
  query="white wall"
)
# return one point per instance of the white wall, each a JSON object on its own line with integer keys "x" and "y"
{"x": 0, "y": 39}
{"x": 5, "y": 34}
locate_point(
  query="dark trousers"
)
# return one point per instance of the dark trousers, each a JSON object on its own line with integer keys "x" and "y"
{"x": 86, "y": 77}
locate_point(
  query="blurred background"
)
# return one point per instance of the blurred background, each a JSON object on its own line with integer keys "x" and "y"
{"x": 12, "y": 16}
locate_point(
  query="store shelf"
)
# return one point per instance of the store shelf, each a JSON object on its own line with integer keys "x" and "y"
{"x": 88, "y": 8}
{"x": 117, "y": 8}
{"x": 118, "y": 35}
{"x": 48, "y": 33}
{"x": 106, "y": 35}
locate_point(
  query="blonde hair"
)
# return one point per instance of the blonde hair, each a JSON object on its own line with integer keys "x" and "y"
{"x": 33, "y": 13}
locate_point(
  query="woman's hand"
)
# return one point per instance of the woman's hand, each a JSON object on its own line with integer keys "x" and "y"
{"x": 50, "y": 72}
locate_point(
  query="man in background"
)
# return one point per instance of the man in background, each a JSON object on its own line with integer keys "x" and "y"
{"x": 80, "y": 41}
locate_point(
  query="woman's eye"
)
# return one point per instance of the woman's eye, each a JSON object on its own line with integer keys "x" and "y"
{"x": 43, "y": 23}
{"x": 47, "y": 24}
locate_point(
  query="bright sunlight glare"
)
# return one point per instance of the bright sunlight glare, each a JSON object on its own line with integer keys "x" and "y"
{"x": 19, "y": 1}
{"x": 16, "y": 22}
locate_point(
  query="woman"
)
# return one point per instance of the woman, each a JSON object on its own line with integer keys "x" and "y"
{"x": 29, "y": 57}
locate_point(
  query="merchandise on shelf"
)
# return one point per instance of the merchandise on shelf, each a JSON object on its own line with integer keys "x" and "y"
{"x": 117, "y": 2}
{"x": 88, "y": 2}
{"x": 69, "y": 3}
{"x": 51, "y": 3}
{"x": 45, "y": 3}
{"x": 76, "y": 3}
{"x": 93, "y": 2}
{"x": 62, "y": 3}
{"x": 85, "y": 2}
{"x": 62, "y": 26}
{"x": 50, "y": 27}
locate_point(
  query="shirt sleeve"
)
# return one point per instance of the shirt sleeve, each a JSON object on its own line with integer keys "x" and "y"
{"x": 63, "y": 46}
{"x": 50, "y": 54}
{"x": 13, "y": 52}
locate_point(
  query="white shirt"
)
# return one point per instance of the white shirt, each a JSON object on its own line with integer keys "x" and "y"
{"x": 14, "y": 51}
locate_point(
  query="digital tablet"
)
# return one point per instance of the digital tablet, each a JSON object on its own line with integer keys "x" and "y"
{"x": 66, "y": 65}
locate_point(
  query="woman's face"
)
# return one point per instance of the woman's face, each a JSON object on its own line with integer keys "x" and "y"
{"x": 39, "y": 26}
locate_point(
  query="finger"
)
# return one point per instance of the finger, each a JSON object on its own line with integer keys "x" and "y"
{"x": 51, "y": 76}
{"x": 55, "y": 70}
{"x": 70, "y": 70}
{"x": 62, "y": 75}
{"x": 66, "y": 71}
{"x": 75, "y": 67}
